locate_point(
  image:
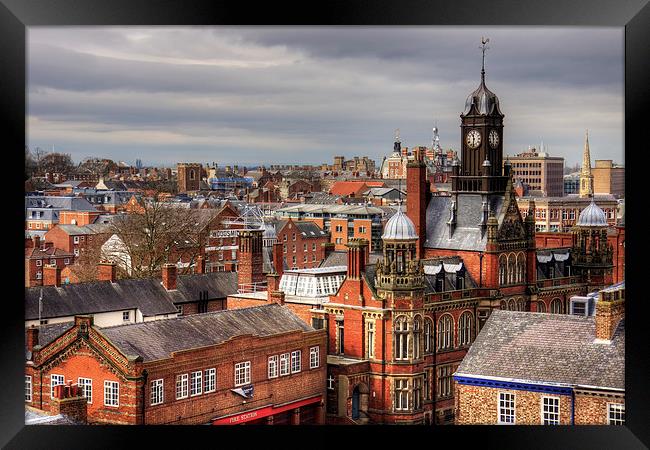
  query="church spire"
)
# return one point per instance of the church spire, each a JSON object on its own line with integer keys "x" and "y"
{"x": 586, "y": 178}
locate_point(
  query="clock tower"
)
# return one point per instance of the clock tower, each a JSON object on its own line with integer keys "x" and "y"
{"x": 481, "y": 141}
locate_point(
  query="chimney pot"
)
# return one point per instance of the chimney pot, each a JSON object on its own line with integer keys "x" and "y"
{"x": 32, "y": 337}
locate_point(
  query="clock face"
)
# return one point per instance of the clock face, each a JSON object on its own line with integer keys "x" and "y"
{"x": 473, "y": 139}
{"x": 493, "y": 138}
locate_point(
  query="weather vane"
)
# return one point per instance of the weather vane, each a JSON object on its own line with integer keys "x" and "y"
{"x": 484, "y": 47}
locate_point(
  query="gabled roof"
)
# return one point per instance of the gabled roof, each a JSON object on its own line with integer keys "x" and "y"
{"x": 546, "y": 348}
{"x": 59, "y": 202}
{"x": 307, "y": 228}
{"x": 146, "y": 294}
{"x": 160, "y": 338}
{"x": 48, "y": 252}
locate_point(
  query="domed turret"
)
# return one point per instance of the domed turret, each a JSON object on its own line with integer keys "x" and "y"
{"x": 592, "y": 216}
{"x": 485, "y": 100}
{"x": 399, "y": 227}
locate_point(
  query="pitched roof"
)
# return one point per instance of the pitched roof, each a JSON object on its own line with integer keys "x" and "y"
{"x": 550, "y": 348}
{"x": 348, "y": 187}
{"x": 146, "y": 294}
{"x": 93, "y": 228}
{"x": 160, "y": 338}
{"x": 49, "y": 252}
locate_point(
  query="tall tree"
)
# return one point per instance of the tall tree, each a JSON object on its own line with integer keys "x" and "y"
{"x": 56, "y": 163}
{"x": 154, "y": 233}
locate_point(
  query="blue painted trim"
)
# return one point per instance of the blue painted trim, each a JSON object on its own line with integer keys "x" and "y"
{"x": 495, "y": 384}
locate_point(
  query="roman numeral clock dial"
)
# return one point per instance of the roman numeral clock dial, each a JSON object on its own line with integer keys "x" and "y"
{"x": 473, "y": 139}
{"x": 493, "y": 139}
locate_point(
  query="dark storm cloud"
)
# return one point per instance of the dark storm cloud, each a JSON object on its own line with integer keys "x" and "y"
{"x": 304, "y": 94}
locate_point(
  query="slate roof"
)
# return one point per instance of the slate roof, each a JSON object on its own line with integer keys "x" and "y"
{"x": 340, "y": 258}
{"x": 467, "y": 233}
{"x": 546, "y": 348}
{"x": 159, "y": 339}
{"x": 59, "y": 202}
{"x": 93, "y": 228}
{"x": 49, "y": 252}
{"x": 47, "y": 333}
{"x": 146, "y": 294}
{"x": 307, "y": 229}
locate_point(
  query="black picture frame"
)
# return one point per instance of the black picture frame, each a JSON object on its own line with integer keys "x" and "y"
{"x": 634, "y": 15}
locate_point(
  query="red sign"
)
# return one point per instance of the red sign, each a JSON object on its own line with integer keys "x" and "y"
{"x": 263, "y": 412}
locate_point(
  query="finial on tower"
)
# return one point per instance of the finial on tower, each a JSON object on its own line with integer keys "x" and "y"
{"x": 397, "y": 135}
{"x": 483, "y": 47}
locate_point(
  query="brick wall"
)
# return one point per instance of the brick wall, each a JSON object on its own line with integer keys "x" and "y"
{"x": 477, "y": 405}
{"x": 593, "y": 409}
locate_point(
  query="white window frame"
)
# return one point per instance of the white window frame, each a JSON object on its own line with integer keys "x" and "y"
{"x": 508, "y": 397}
{"x": 157, "y": 391}
{"x": 39, "y": 263}
{"x": 66, "y": 261}
{"x": 273, "y": 371}
{"x": 126, "y": 316}
{"x": 75, "y": 239}
{"x": 314, "y": 357}
{"x": 548, "y": 416}
{"x": 615, "y": 408}
{"x": 242, "y": 373}
{"x": 58, "y": 377}
{"x": 210, "y": 380}
{"x": 39, "y": 275}
{"x": 86, "y": 386}
{"x": 284, "y": 364}
{"x": 28, "y": 388}
{"x": 196, "y": 383}
{"x": 111, "y": 389}
{"x": 296, "y": 361}
{"x": 182, "y": 386}
{"x": 401, "y": 394}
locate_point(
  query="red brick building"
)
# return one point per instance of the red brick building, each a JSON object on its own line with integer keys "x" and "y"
{"x": 303, "y": 243}
{"x": 255, "y": 365}
{"x": 74, "y": 238}
{"x": 38, "y": 257}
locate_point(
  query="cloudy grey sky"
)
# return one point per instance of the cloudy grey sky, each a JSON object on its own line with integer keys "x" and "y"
{"x": 251, "y": 95}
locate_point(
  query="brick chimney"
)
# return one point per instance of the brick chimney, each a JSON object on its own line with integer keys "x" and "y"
{"x": 36, "y": 241}
{"x": 51, "y": 275}
{"x": 249, "y": 257}
{"x": 278, "y": 263}
{"x": 69, "y": 401}
{"x": 357, "y": 250}
{"x": 32, "y": 337}
{"x": 199, "y": 267}
{"x": 169, "y": 276}
{"x": 276, "y": 297}
{"x": 610, "y": 310}
{"x": 106, "y": 271}
{"x": 417, "y": 189}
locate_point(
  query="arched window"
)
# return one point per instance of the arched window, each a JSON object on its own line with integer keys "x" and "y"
{"x": 504, "y": 305}
{"x": 541, "y": 307}
{"x": 465, "y": 328}
{"x": 417, "y": 336}
{"x": 428, "y": 335}
{"x": 521, "y": 305}
{"x": 512, "y": 306}
{"x": 511, "y": 268}
{"x": 521, "y": 268}
{"x": 556, "y": 306}
{"x": 502, "y": 270}
{"x": 444, "y": 332}
{"x": 401, "y": 338}
{"x": 192, "y": 175}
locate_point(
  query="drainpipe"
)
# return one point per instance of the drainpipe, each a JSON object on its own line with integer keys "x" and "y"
{"x": 144, "y": 386}
{"x": 573, "y": 406}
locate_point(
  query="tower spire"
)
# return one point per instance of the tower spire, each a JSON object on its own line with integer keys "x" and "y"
{"x": 586, "y": 178}
{"x": 483, "y": 47}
